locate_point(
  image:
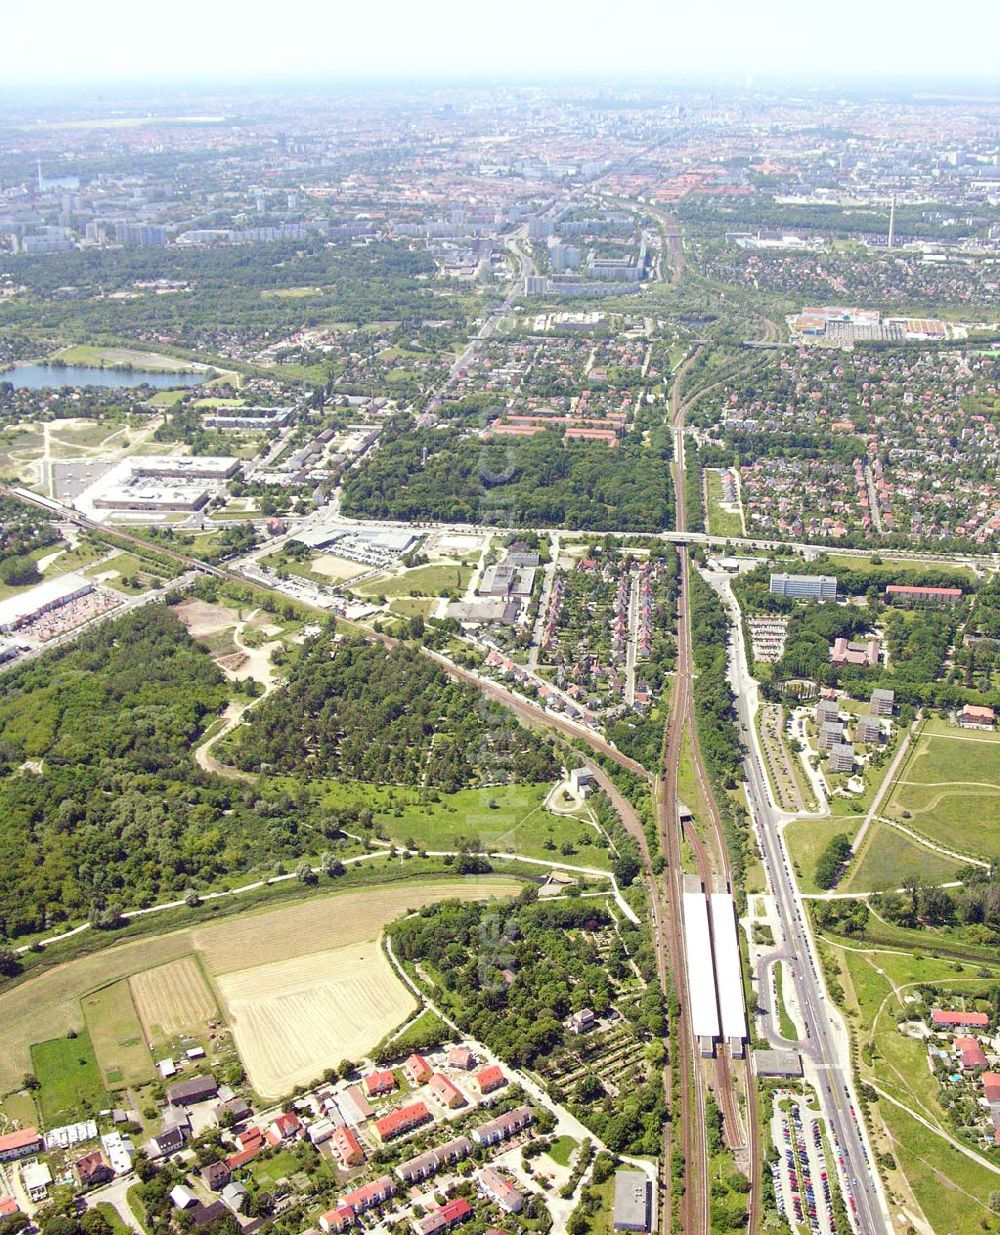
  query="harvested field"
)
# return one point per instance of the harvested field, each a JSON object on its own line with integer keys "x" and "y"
{"x": 173, "y": 999}
{"x": 291, "y": 1019}
{"x": 327, "y": 922}
{"x": 49, "y": 1005}
{"x": 203, "y": 619}
{"x": 336, "y": 567}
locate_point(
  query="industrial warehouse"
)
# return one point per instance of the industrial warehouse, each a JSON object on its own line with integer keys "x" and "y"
{"x": 158, "y": 483}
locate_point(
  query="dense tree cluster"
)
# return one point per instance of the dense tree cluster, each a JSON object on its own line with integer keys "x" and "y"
{"x": 375, "y": 283}
{"x": 541, "y": 481}
{"x": 388, "y": 715}
{"x": 23, "y": 529}
{"x": 975, "y": 904}
{"x": 511, "y": 974}
{"x": 101, "y": 804}
{"x": 831, "y": 861}
{"x": 716, "y": 715}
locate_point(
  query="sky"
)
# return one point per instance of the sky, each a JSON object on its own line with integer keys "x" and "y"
{"x": 61, "y": 42}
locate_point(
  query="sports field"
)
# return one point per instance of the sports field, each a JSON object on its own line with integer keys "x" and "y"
{"x": 173, "y": 999}
{"x": 117, "y": 1036}
{"x": 949, "y": 790}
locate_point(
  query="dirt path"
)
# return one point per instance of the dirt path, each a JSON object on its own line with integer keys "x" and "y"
{"x": 257, "y": 666}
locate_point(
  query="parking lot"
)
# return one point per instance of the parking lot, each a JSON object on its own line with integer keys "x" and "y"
{"x": 801, "y": 1174}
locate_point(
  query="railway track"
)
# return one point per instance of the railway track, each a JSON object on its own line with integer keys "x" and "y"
{"x": 690, "y": 1118}
{"x": 715, "y": 864}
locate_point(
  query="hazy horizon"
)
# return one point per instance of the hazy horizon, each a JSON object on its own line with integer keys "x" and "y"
{"x": 110, "y": 46}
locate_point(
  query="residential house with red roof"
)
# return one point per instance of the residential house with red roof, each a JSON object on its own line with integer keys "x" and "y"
{"x": 445, "y": 1091}
{"x": 942, "y": 1017}
{"x": 285, "y": 1129}
{"x": 370, "y": 1196}
{"x": 378, "y": 1083}
{"x": 401, "y": 1121}
{"x": 418, "y": 1071}
{"x": 970, "y": 1053}
{"x": 489, "y": 1079}
{"x": 92, "y": 1169}
{"x": 347, "y": 1147}
{"x": 443, "y": 1219}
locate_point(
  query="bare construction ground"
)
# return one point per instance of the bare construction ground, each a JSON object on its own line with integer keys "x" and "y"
{"x": 336, "y": 568}
{"x": 203, "y": 619}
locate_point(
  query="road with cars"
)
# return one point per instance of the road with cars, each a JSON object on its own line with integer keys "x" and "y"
{"x": 826, "y": 1044}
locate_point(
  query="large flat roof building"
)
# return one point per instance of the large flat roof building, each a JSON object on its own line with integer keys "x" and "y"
{"x": 728, "y": 971}
{"x": 18, "y": 611}
{"x": 633, "y": 1207}
{"x": 804, "y": 587}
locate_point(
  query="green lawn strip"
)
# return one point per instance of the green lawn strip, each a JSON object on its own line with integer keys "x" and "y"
{"x": 20, "y": 1107}
{"x": 166, "y": 398}
{"x": 785, "y": 1023}
{"x": 864, "y": 565}
{"x": 88, "y": 354}
{"x": 951, "y": 1189}
{"x": 267, "y": 1171}
{"x": 949, "y": 791}
{"x": 421, "y": 581}
{"x": 125, "y": 565}
{"x": 113, "y": 1218}
{"x": 117, "y": 1036}
{"x": 890, "y": 857}
{"x": 138, "y": 1207}
{"x": 688, "y": 785}
{"x": 721, "y": 522}
{"x": 515, "y": 823}
{"x": 936, "y": 727}
{"x": 806, "y": 840}
{"x": 70, "y": 1080}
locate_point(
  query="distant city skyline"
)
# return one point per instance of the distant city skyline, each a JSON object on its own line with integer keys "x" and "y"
{"x": 109, "y": 42}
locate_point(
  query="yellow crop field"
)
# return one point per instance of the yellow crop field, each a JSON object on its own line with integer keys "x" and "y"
{"x": 50, "y": 1005}
{"x": 327, "y": 921}
{"x": 291, "y": 1019}
{"x": 172, "y": 999}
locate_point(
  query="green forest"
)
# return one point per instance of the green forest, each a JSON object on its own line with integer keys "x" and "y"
{"x": 364, "y": 711}
{"x": 541, "y": 481}
{"x": 102, "y": 807}
{"x": 376, "y": 283}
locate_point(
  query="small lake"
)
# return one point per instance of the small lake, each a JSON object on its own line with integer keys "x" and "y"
{"x": 40, "y": 376}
